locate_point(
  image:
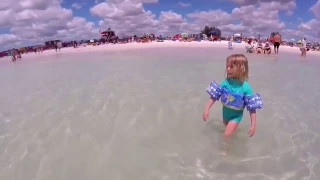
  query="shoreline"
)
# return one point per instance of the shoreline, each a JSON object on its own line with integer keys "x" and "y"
{"x": 152, "y": 45}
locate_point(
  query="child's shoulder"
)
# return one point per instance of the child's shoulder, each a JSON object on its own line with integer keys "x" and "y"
{"x": 247, "y": 88}
{"x": 246, "y": 84}
{"x": 224, "y": 82}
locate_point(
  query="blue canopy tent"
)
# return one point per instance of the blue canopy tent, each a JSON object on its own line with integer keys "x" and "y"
{"x": 214, "y": 32}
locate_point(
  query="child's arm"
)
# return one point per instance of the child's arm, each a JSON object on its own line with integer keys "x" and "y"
{"x": 215, "y": 91}
{"x": 253, "y": 122}
{"x": 253, "y": 102}
{"x": 206, "y": 110}
{"x": 209, "y": 104}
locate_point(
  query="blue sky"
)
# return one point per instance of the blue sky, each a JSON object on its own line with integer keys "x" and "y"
{"x": 301, "y": 12}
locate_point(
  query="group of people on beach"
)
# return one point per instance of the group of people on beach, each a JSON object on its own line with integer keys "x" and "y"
{"x": 277, "y": 41}
{"x": 266, "y": 49}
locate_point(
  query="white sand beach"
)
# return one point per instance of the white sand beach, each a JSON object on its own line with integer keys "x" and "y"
{"x": 239, "y": 47}
{"x": 134, "y": 111}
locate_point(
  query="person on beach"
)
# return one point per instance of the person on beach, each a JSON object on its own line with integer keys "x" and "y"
{"x": 259, "y": 48}
{"x": 230, "y": 43}
{"x": 276, "y": 43}
{"x": 249, "y": 47}
{"x": 304, "y": 49}
{"x": 13, "y": 54}
{"x": 16, "y": 54}
{"x": 267, "y": 49}
{"x": 55, "y": 46}
{"x": 235, "y": 94}
{"x": 59, "y": 46}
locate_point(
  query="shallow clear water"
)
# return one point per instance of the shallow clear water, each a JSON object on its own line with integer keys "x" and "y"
{"x": 138, "y": 115}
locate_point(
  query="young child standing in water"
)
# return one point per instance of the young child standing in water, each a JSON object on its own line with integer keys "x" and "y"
{"x": 235, "y": 94}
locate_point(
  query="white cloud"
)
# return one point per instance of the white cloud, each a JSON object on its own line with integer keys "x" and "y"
{"x": 211, "y": 17}
{"x": 8, "y": 39}
{"x": 248, "y": 19}
{"x": 313, "y": 25}
{"x": 76, "y": 5}
{"x": 126, "y": 16}
{"x": 316, "y": 9}
{"x": 184, "y": 4}
{"x": 34, "y": 21}
{"x": 253, "y": 2}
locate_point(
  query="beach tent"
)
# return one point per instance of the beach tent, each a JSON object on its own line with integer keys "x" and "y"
{"x": 107, "y": 35}
{"x": 214, "y": 32}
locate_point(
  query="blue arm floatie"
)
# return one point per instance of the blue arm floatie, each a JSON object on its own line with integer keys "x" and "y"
{"x": 214, "y": 90}
{"x": 253, "y": 102}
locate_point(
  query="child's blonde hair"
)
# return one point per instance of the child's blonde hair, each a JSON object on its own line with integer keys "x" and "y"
{"x": 240, "y": 63}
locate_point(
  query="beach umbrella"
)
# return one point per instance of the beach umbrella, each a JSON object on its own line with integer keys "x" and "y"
{"x": 106, "y": 32}
{"x": 237, "y": 35}
{"x": 184, "y": 34}
{"x": 300, "y": 41}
